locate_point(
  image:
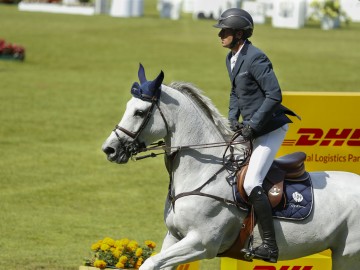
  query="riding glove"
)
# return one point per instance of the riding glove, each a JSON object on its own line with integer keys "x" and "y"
{"x": 247, "y": 133}
{"x": 235, "y": 125}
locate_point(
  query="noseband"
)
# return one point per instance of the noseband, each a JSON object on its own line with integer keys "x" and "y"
{"x": 136, "y": 146}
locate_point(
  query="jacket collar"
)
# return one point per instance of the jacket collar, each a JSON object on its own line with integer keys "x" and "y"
{"x": 239, "y": 61}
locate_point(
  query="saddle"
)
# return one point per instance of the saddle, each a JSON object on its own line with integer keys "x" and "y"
{"x": 289, "y": 167}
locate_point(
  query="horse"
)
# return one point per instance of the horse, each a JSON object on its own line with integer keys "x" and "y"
{"x": 195, "y": 137}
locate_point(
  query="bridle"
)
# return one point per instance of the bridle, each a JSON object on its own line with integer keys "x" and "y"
{"x": 136, "y": 146}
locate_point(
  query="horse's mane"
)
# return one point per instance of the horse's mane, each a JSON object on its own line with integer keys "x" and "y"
{"x": 205, "y": 104}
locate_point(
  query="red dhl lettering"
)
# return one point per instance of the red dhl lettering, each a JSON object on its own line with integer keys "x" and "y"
{"x": 184, "y": 267}
{"x": 284, "y": 267}
{"x": 333, "y": 137}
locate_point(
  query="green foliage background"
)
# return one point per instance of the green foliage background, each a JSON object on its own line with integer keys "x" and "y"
{"x": 58, "y": 193}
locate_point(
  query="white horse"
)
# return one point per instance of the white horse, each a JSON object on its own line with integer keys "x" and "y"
{"x": 201, "y": 227}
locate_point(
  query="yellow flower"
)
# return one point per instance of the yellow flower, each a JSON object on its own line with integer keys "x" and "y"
{"x": 118, "y": 243}
{"x": 122, "y": 242}
{"x": 123, "y": 259}
{"x": 153, "y": 254}
{"x": 150, "y": 244}
{"x": 132, "y": 246}
{"x": 139, "y": 263}
{"x": 109, "y": 241}
{"x": 105, "y": 247}
{"x": 138, "y": 252}
{"x": 119, "y": 265}
{"x": 116, "y": 252}
{"x": 100, "y": 264}
{"x": 95, "y": 246}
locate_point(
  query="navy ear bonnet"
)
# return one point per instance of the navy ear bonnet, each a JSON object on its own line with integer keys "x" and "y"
{"x": 147, "y": 90}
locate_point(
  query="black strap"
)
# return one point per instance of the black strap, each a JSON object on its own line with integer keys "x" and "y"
{"x": 197, "y": 192}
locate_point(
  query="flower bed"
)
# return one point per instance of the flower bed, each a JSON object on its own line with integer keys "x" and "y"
{"x": 119, "y": 254}
{"x": 94, "y": 268}
{"x": 10, "y": 51}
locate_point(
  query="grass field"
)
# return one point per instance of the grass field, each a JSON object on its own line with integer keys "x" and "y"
{"x": 58, "y": 193}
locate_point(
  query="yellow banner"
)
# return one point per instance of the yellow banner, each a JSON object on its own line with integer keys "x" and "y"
{"x": 329, "y": 132}
{"x": 319, "y": 261}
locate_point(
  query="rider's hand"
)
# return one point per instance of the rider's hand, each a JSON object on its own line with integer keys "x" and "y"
{"x": 235, "y": 125}
{"x": 247, "y": 132}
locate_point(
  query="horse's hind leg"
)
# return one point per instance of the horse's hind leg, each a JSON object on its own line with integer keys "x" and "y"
{"x": 186, "y": 250}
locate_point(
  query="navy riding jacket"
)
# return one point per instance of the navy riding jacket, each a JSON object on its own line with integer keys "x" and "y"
{"x": 255, "y": 91}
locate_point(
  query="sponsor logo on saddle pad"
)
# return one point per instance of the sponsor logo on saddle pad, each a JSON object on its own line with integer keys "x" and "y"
{"x": 297, "y": 197}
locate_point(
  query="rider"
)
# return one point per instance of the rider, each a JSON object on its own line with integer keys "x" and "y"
{"x": 256, "y": 97}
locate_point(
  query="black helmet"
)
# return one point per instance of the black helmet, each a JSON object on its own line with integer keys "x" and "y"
{"x": 237, "y": 19}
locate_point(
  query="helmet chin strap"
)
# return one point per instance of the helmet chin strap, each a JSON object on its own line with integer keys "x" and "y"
{"x": 235, "y": 40}
{"x": 234, "y": 43}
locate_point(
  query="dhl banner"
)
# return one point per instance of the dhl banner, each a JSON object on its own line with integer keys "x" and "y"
{"x": 329, "y": 132}
{"x": 187, "y": 266}
{"x": 319, "y": 261}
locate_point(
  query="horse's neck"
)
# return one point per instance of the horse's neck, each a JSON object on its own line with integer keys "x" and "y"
{"x": 190, "y": 126}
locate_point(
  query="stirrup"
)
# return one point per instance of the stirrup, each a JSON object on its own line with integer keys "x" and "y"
{"x": 248, "y": 254}
{"x": 272, "y": 255}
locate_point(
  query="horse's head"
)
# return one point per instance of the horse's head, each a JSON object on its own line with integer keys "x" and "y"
{"x": 142, "y": 123}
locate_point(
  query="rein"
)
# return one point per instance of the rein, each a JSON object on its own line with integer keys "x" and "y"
{"x": 171, "y": 149}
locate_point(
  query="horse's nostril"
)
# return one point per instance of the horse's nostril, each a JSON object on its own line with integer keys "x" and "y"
{"x": 109, "y": 150}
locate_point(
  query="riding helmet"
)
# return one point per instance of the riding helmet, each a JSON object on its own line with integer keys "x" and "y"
{"x": 237, "y": 19}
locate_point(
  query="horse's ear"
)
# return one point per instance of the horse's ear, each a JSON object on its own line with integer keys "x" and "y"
{"x": 141, "y": 74}
{"x": 155, "y": 84}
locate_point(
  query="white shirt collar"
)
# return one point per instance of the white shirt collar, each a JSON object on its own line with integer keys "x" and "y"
{"x": 235, "y": 57}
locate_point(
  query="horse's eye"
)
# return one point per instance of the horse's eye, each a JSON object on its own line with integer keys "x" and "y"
{"x": 139, "y": 113}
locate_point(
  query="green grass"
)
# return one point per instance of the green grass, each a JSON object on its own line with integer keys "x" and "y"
{"x": 58, "y": 193}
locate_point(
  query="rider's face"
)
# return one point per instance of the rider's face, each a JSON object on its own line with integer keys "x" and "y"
{"x": 226, "y": 36}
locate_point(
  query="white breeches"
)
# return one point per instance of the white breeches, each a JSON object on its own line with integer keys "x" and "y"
{"x": 264, "y": 151}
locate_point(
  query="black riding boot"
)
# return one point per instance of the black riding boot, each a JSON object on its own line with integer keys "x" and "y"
{"x": 268, "y": 250}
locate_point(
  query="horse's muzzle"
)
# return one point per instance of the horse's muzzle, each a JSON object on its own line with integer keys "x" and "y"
{"x": 121, "y": 152}
{"x": 117, "y": 155}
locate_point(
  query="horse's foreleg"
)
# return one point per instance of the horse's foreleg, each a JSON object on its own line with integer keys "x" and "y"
{"x": 189, "y": 249}
{"x": 168, "y": 241}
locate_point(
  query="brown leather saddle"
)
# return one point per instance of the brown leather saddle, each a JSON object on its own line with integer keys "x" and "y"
{"x": 289, "y": 167}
